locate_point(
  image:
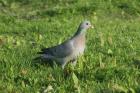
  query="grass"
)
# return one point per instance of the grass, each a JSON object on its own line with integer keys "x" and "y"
{"x": 111, "y": 63}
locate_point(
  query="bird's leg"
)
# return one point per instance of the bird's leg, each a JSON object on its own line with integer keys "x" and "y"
{"x": 63, "y": 64}
{"x": 74, "y": 61}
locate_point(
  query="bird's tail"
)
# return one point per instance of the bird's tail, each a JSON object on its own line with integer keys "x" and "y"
{"x": 41, "y": 52}
{"x": 44, "y": 51}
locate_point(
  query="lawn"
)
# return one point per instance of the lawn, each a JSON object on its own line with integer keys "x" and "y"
{"x": 110, "y": 64}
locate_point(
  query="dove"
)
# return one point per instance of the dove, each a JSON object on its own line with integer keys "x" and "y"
{"x": 69, "y": 50}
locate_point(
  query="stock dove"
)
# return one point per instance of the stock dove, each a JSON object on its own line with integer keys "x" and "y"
{"x": 70, "y": 49}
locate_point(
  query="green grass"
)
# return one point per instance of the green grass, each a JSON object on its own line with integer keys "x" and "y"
{"x": 111, "y": 63}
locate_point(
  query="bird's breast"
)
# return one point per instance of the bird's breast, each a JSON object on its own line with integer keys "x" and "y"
{"x": 79, "y": 45}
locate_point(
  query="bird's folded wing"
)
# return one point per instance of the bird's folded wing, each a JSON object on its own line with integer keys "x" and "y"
{"x": 63, "y": 50}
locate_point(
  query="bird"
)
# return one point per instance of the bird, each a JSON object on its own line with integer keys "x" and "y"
{"x": 69, "y": 50}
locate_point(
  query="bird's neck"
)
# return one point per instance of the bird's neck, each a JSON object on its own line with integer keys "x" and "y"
{"x": 80, "y": 32}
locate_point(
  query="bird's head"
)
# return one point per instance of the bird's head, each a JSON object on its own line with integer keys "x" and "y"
{"x": 83, "y": 27}
{"x": 86, "y": 25}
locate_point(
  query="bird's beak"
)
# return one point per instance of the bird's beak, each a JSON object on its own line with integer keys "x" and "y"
{"x": 92, "y": 26}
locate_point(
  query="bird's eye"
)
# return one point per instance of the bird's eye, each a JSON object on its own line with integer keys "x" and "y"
{"x": 87, "y": 24}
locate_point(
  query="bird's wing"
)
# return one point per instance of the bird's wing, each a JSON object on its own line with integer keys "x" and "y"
{"x": 63, "y": 50}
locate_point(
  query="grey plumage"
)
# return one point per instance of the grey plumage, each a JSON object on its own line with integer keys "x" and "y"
{"x": 70, "y": 49}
